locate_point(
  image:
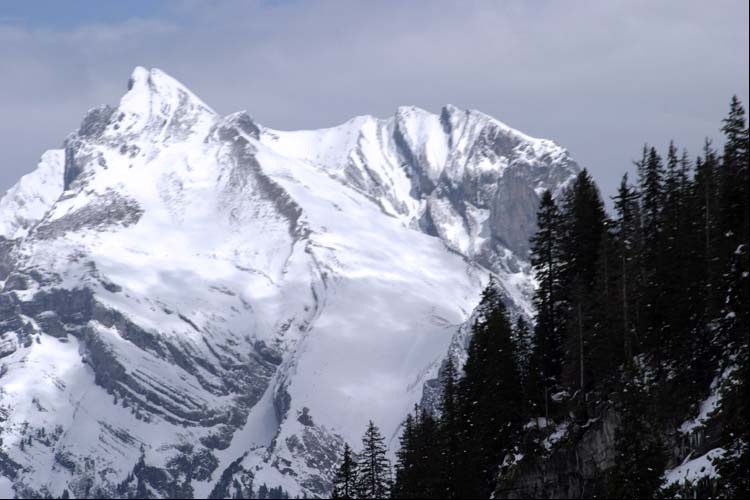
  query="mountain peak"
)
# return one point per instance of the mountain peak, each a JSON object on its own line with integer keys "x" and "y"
{"x": 156, "y": 81}
{"x": 27, "y": 202}
{"x": 156, "y": 110}
{"x": 154, "y": 98}
{"x": 139, "y": 76}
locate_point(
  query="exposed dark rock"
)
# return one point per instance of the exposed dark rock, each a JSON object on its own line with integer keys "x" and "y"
{"x": 304, "y": 418}
{"x": 66, "y": 460}
{"x": 320, "y": 451}
{"x": 188, "y": 465}
{"x": 6, "y": 264}
{"x": 187, "y": 320}
{"x": 228, "y": 128}
{"x": 110, "y": 286}
{"x": 513, "y": 214}
{"x": 92, "y": 127}
{"x": 8, "y": 467}
{"x": 50, "y": 323}
{"x": 572, "y": 470}
{"x": 96, "y": 121}
{"x": 578, "y": 464}
{"x": 108, "y": 371}
{"x": 219, "y": 439}
{"x": 162, "y": 481}
{"x": 17, "y": 281}
{"x": 101, "y": 213}
{"x": 9, "y": 313}
{"x": 267, "y": 353}
{"x": 71, "y": 306}
{"x": 61, "y": 311}
{"x": 281, "y": 402}
{"x": 421, "y": 184}
{"x": 221, "y": 489}
{"x": 246, "y": 169}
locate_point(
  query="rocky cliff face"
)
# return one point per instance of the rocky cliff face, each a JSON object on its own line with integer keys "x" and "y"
{"x": 192, "y": 304}
{"x": 575, "y": 457}
{"x": 576, "y": 462}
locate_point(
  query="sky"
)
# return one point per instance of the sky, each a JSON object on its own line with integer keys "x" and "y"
{"x": 599, "y": 78}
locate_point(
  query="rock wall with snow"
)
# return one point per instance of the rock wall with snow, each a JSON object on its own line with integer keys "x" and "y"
{"x": 192, "y": 303}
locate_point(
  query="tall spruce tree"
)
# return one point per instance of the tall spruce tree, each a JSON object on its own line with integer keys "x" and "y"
{"x": 490, "y": 397}
{"x": 449, "y": 431}
{"x": 430, "y": 482}
{"x": 583, "y": 221}
{"x": 373, "y": 478}
{"x": 546, "y": 260}
{"x": 734, "y": 465}
{"x": 420, "y": 463}
{"x": 705, "y": 253}
{"x": 672, "y": 260}
{"x": 606, "y": 338}
{"x": 524, "y": 345}
{"x": 651, "y": 178}
{"x": 405, "y": 484}
{"x": 704, "y": 271}
{"x": 734, "y": 180}
{"x": 345, "y": 480}
{"x": 628, "y": 234}
{"x": 640, "y": 455}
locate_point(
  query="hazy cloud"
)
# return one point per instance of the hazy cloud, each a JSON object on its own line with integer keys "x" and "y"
{"x": 598, "y": 77}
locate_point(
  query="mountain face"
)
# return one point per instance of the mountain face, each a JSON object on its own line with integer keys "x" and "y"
{"x": 193, "y": 303}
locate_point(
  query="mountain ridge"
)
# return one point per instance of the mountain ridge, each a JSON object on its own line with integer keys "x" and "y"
{"x": 199, "y": 297}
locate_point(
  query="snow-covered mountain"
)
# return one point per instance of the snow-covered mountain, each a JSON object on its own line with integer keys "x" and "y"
{"x": 191, "y": 302}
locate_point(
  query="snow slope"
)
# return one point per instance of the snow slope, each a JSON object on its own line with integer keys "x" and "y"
{"x": 196, "y": 302}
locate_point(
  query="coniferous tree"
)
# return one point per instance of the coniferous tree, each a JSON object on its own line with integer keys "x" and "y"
{"x": 651, "y": 178}
{"x": 429, "y": 457}
{"x": 733, "y": 182}
{"x": 524, "y": 345}
{"x": 374, "y": 468}
{"x": 705, "y": 253}
{"x": 733, "y": 466}
{"x": 640, "y": 455}
{"x": 263, "y": 491}
{"x": 628, "y": 234}
{"x": 404, "y": 482}
{"x": 418, "y": 466}
{"x": 583, "y": 221}
{"x": 685, "y": 314}
{"x": 733, "y": 222}
{"x": 546, "y": 260}
{"x": 606, "y": 351}
{"x": 490, "y": 397}
{"x": 535, "y": 392}
{"x": 732, "y": 325}
{"x": 345, "y": 480}
{"x": 672, "y": 259}
{"x": 697, "y": 361}
{"x": 449, "y": 431}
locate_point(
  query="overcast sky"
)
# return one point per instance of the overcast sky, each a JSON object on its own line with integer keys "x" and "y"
{"x": 598, "y": 77}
